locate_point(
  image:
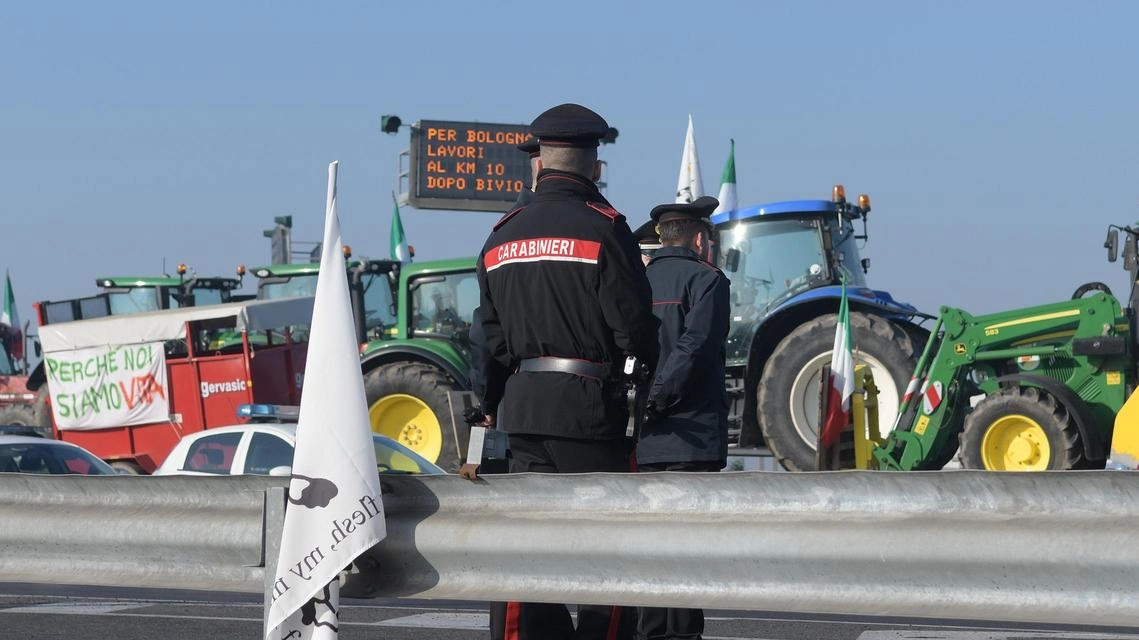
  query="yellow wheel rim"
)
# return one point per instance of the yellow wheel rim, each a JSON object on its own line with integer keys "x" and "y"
{"x": 409, "y": 421}
{"x": 1015, "y": 443}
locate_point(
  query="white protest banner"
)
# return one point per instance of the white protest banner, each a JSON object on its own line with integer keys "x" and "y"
{"x": 112, "y": 386}
{"x": 334, "y": 512}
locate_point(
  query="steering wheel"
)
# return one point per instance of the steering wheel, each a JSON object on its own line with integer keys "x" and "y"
{"x": 1083, "y": 289}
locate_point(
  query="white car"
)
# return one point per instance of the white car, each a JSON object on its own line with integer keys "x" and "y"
{"x": 24, "y": 454}
{"x": 260, "y": 448}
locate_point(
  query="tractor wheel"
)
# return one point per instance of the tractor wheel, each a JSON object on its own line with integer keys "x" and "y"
{"x": 17, "y": 414}
{"x": 788, "y": 393}
{"x": 407, "y": 402}
{"x": 1021, "y": 429}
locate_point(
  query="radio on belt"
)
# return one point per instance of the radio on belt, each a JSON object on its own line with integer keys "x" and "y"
{"x": 484, "y": 443}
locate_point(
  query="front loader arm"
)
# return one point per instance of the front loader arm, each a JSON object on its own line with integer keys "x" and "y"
{"x": 966, "y": 355}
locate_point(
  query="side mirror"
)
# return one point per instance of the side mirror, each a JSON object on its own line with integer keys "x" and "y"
{"x": 732, "y": 260}
{"x": 282, "y": 471}
{"x": 1112, "y": 244}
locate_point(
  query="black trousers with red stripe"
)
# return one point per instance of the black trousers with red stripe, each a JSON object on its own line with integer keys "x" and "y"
{"x": 543, "y": 621}
{"x": 672, "y": 624}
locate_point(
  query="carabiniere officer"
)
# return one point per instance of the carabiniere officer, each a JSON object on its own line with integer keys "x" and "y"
{"x": 564, "y": 300}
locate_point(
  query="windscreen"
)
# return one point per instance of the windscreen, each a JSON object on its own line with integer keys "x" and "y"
{"x": 777, "y": 260}
{"x": 137, "y": 300}
{"x": 293, "y": 287}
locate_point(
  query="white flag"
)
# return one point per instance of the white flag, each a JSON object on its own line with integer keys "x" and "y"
{"x": 334, "y": 512}
{"x": 689, "y": 186}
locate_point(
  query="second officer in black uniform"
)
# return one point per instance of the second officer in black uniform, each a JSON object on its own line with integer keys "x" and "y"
{"x": 687, "y": 425}
{"x": 564, "y": 300}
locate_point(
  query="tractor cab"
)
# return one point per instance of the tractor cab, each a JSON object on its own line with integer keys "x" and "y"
{"x": 442, "y": 302}
{"x": 773, "y": 253}
{"x": 371, "y": 285}
{"x": 126, "y": 295}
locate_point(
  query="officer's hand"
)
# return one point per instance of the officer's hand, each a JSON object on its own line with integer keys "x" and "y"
{"x": 469, "y": 471}
{"x": 488, "y": 421}
{"x": 652, "y": 413}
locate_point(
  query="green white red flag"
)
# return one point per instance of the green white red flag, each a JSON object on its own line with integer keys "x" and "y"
{"x": 399, "y": 248}
{"x": 9, "y": 316}
{"x": 728, "y": 199}
{"x": 842, "y": 379}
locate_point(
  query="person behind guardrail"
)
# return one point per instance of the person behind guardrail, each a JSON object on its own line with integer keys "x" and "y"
{"x": 488, "y": 376}
{"x": 564, "y": 301}
{"x": 686, "y": 428}
{"x": 488, "y": 382}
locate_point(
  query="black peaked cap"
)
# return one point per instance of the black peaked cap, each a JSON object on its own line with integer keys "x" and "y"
{"x": 569, "y": 125}
{"x": 647, "y": 233}
{"x": 701, "y": 208}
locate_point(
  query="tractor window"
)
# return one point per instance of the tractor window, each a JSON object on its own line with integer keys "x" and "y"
{"x": 444, "y": 305}
{"x": 273, "y": 288}
{"x": 846, "y": 252}
{"x": 137, "y": 300}
{"x": 777, "y": 260}
{"x": 378, "y": 303}
{"x": 204, "y": 296}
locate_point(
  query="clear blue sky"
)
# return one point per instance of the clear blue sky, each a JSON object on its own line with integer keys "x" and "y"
{"x": 997, "y": 139}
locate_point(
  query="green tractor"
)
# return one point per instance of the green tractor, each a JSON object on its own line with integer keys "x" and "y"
{"x": 124, "y": 295}
{"x": 1025, "y": 390}
{"x": 413, "y": 322}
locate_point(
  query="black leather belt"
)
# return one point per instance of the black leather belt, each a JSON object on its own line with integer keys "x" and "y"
{"x": 583, "y": 368}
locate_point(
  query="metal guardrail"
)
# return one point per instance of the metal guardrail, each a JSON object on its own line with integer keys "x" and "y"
{"x": 133, "y": 531}
{"x": 1047, "y": 547}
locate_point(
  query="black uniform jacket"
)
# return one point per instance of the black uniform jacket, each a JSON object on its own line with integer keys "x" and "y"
{"x": 562, "y": 277}
{"x": 488, "y": 376}
{"x": 691, "y": 298}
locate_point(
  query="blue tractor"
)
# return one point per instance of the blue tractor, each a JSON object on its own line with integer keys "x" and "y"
{"x": 786, "y": 262}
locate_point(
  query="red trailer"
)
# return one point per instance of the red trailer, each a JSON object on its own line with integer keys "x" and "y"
{"x": 127, "y": 388}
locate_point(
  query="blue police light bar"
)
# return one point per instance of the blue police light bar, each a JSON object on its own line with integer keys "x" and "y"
{"x": 279, "y": 412}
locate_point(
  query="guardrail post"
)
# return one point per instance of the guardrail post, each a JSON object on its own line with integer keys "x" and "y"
{"x": 272, "y": 525}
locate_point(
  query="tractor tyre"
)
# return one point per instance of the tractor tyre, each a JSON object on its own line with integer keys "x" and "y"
{"x": 1021, "y": 429}
{"x": 407, "y": 402}
{"x": 17, "y": 414}
{"x": 788, "y": 392}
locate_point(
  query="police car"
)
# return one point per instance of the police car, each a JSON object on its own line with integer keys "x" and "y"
{"x": 264, "y": 446}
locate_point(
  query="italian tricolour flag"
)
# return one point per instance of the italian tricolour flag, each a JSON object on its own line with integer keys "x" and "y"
{"x": 399, "y": 248}
{"x": 9, "y": 317}
{"x": 727, "y": 196}
{"x": 842, "y": 379}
